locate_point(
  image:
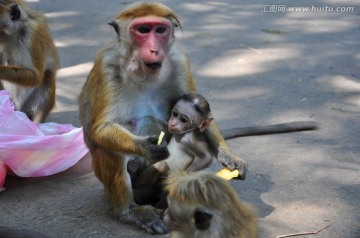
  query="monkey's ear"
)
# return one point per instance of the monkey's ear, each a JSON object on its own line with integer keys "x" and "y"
{"x": 205, "y": 123}
{"x": 15, "y": 12}
{"x": 202, "y": 219}
{"x": 175, "y": 22}
{"x": 116, "y": 26}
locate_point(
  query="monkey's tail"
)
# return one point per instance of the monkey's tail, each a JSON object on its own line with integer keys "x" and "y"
{"x": 269, "y": 129}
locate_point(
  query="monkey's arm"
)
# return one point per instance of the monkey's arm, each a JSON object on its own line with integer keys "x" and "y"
{"x": 114, "y": 137}
{"x": 21, "y": 76}
{"x": 269, "y": 129}
{"x": 224, "y": 154}
{"x": 203, "y": 156}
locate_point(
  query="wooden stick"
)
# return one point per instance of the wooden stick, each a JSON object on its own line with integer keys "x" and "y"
{"x": 304, "y": 234}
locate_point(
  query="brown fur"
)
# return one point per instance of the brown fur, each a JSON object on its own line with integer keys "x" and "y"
{"x": 203, "y": 190}
{"x": 27, "y": 48}
{"x": 148, "y": 9}
{"x": 118, "y": 123}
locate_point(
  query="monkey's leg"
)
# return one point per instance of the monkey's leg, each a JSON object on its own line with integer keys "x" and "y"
{"x": 111, "y": 169}
{"x": 21, "y": 76}
{"x": 40, "y": 102}
{"x": 148, "y": 195}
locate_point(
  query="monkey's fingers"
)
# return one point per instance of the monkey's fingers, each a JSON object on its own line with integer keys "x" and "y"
{"x": 227, "y": 173}
{"x": 154, "y": 151}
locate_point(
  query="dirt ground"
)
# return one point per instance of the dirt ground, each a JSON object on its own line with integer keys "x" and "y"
{"x": 258, "y": 63}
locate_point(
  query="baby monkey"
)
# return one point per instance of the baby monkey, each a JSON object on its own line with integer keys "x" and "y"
{"x": 190, "y": 148}
{"x": 202, "y": 205}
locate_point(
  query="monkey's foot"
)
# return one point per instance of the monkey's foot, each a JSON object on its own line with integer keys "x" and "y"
{"x": 146, "y": 217}
{"x": 132, "y": 167}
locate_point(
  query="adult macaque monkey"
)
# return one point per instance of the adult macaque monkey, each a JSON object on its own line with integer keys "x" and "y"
{"x": 28, "y": 59}
{"x": 190, "y": 146}
{"x": 202, "y": 205}
{"x": 129, "y": 93}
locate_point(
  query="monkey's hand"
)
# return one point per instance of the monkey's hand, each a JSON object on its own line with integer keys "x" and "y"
{"x": 232, "y": 162}
{"x": 151, "y": 150}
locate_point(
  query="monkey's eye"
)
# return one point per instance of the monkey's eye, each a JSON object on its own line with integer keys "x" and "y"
{"x": 183, "y": 119}
{"x": 144, "y": 29}
{"x": 175, "y": 114}
{"x": 160, "y": 30}
{"x": 15, "y": 12}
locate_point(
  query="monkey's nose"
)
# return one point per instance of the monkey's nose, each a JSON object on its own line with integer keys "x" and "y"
{"x": 155, "y": 65}
{"x": 154, "y": 51}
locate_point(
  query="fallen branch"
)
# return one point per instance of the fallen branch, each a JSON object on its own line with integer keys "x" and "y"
{"x": 303, "y": 234}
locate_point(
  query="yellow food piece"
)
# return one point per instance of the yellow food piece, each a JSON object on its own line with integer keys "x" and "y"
{"x": 227, "y": 173}
{"x": 161, "y": 136}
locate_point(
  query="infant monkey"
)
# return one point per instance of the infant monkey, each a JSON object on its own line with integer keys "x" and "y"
{"x": 191, "y": 149}
{"x": 202, "y": 205}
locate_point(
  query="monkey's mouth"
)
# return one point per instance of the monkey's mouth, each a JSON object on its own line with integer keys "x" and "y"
{"x": 153, "y": 65}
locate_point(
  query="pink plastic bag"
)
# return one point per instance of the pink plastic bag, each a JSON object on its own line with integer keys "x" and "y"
{"x": 31, "y": 149}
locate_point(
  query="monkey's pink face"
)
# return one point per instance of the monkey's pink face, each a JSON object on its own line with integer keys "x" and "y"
{"x": 151, "y": 35}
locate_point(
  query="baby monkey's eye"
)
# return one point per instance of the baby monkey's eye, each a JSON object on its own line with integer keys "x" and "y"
{"x": 183, "y": 120}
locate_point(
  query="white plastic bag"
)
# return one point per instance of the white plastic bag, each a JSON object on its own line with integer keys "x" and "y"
{"x": 31, "y": 149}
